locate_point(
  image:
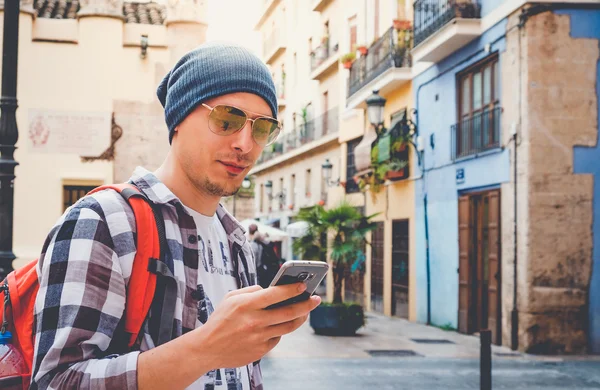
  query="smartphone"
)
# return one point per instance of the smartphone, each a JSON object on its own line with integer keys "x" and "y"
{"x": 295, "y": 271}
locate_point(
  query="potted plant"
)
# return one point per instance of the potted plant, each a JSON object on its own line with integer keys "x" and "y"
{"x": 347, "y": 59}
{"x": 346, "y": 228}
{"x": 402, "y": 24}
{"x": 362, "y": 49}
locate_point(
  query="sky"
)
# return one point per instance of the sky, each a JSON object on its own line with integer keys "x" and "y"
{"x": 234, "y": 21}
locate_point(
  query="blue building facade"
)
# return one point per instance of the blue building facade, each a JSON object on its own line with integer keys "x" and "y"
{"x": 586, "y": 24}
{"x": 445, "y": 177}
{"x": 467, "y": 138}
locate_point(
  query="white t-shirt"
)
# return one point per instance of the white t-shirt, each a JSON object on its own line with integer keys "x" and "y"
{"x": 217, "y": 276}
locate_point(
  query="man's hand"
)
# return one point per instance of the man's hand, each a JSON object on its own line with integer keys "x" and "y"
{"x": 241, "y": 331}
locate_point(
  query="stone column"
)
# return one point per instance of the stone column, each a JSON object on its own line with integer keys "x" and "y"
{"x": 186, "y": 26}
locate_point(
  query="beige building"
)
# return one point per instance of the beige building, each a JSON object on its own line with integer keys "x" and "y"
{"x": 323, "y": 106}
{"x": 88, "y": 112}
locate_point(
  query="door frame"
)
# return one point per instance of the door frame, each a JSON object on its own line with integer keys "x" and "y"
{"x": 473, "y": 288}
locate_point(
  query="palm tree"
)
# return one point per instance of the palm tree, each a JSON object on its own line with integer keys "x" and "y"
{"x": 346, "y": 228}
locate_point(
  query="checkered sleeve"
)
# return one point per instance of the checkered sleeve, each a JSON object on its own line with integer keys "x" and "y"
{"x": 81, "y": 299}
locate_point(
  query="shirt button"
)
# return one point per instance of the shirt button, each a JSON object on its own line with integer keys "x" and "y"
{"x": 192, "y": 239}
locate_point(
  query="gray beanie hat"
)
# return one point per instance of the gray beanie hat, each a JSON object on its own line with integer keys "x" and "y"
{"x": 209, "y": 71}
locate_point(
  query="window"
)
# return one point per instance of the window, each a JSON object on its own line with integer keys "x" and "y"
{"x": 353, "y": 32}
{"x": 293, "y": 191}
{"x": 72, "y": 193}
{"x": 351, "y": 185}
{"x": 261, "y": 199}
{"x": 282, "y": 194}
{"x": 307, "y": 184}
{"x": 376, "y": 21}
{"x": 295, "y": 69}
{"x": 478, "y": 109}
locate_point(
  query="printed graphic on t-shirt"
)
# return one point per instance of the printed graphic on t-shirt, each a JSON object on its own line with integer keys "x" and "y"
{"x": 206, "y": 251}
{"x": 216, "y": 277}
{"x": 202, "y": 254}
{"x": 205, "y": 307}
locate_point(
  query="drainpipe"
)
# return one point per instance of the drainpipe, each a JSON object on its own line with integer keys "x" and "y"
{"x": 427, "y": 260}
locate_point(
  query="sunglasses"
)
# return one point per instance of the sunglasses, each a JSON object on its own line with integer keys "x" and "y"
{"x": 226, "y": 120}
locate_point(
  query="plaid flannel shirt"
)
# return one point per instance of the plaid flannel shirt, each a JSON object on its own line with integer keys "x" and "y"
{"x": 83, "y": 271}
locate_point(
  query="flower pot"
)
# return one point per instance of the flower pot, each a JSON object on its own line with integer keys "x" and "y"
{"x": 348, "y": 64}
{"x": 337, "y": 320}
{"x": 363, "y": 50}
{"x": 402, "y": 24}
{"x": 396, "y": 175}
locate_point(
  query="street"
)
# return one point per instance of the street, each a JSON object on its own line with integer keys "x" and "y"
{"x": 428, "y": 358}
{"x": 425, "y": 373}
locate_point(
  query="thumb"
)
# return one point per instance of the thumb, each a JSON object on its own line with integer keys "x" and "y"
{"x": 244, "y": 290}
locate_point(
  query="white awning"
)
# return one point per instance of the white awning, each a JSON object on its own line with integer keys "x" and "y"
{"x": 297, "y": 229}
{"x": 274, "y": 234}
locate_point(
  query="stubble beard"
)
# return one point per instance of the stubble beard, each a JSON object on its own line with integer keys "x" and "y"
{"x": 215, "y": 189}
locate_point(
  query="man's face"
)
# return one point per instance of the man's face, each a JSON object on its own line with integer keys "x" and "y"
{"x": 214, "y": 163}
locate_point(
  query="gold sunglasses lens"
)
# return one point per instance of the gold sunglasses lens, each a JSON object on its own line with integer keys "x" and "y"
{"x": 265, "y": 130}
{"x": 226, "y": 120}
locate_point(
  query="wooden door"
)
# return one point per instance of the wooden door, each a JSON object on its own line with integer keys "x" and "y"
{"x": 494, "y": 278}
{"x": 464, "y": 278}
{"x": 377, "y": 242}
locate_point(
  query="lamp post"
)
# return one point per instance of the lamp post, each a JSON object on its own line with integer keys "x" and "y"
{"x": 9, "y": 133}
{"x": 375, "y": 108}
{"x": 326, "y": 173}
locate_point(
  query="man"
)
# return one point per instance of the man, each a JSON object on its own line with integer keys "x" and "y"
{"x": 267, "y": 261}
{"x": 220, "y": 108}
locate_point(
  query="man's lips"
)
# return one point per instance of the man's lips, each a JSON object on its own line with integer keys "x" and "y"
{"x": 233, "y": 167}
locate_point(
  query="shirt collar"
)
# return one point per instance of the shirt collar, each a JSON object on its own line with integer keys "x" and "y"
{"x": 159, "y": 193}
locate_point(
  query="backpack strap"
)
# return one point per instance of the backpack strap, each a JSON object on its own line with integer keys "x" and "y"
{"x": 147, "y": 265}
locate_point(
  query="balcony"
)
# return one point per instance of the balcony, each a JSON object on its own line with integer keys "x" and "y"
{"x": 268, "y": 7}
{"x": 313, "y": 134}
{"x": 476, "y": 134}
{"x": 274, "y": 45}
{"x": 320, "y": 5}
{"x": 385, "y": 67}
{"x": 324, "y": 59}
{"x": 444, "y": 26}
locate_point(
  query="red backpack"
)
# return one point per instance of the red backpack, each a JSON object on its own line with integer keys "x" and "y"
{"x": 19, "y": 290}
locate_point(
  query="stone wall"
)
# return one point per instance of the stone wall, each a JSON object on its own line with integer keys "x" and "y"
{"x": 145, "y": 140}
{"x": 558, "y": 111}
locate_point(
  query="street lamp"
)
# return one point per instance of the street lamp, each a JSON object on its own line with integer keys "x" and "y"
{"x": 269, "y": 188}
{"x": 375, "y": 106}
{"x": 327, "y": 172}
{"x": 9, "y": 133}
{"x": 246, "y": 183}
{"x": 280, "y": 195}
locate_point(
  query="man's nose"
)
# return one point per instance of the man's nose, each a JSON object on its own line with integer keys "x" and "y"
{"x": 243, "y": 141}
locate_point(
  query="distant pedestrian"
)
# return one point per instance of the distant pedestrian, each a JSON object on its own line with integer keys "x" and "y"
{"x": 267, "y": 261}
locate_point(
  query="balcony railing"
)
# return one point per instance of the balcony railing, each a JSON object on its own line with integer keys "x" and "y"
{"x": 387, "y": 52}
{"x": 302, "y": 135}
{"x": 432, "y": 15}
{"x": 321, "y": 54}
{"x": 476, "y": 134}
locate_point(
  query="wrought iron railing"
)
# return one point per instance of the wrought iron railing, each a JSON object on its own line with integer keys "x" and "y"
{"x": 387, "y": 52}
{"x": 476, "y": 134}
{"x": 432, "y": 15}
{"x": 304, "y": 134}
{"x": 322, "y": 53}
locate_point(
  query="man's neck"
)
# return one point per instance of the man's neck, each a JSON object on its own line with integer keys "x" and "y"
{"x": 172, "y": 176}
